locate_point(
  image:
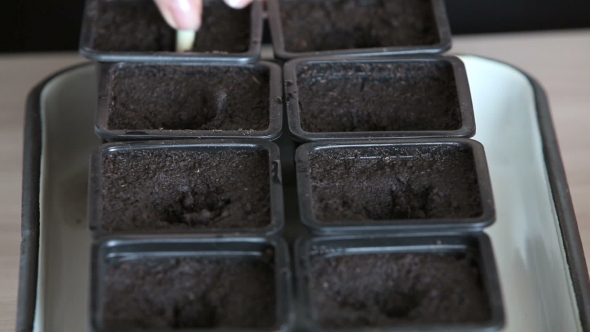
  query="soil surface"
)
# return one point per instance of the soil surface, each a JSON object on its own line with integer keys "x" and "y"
{"x": 387, "y": 183}
{"x": 378, "y": 97}
{"x": 189, "y": 97}
{"x": 177, "y": 189}
{"x": 223, "y": 29}
{"x": 153, "y": 293}
{"x": 378, "y": 290}
{"x": 138, "y": 26}
{"x": 325, "y": 25}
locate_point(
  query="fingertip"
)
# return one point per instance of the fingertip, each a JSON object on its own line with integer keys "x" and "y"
{"x": 238, "y": 4}
{"x": 181, "y": 14}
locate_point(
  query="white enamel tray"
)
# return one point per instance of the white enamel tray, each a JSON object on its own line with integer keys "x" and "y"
{"x": 535, "y": 238}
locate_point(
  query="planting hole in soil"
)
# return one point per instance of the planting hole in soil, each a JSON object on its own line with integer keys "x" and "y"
{"x": 165, "y": 189}
{"x": 144, "y": 97}
{"x": 189, "y": 292}
{"x": 377, "y": 290}
{"x": 394, "y": 183}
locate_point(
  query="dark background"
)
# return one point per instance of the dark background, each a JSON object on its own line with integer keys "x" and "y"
{"x": 54, "y": 25}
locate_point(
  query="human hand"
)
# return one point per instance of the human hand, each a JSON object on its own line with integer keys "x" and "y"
{"x": 186, "y": 14}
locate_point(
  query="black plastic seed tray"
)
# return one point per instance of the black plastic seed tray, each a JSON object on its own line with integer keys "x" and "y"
{"x": 364, "y": 98}
{"x": 395, "y": 186}
{"x": 303, "y": 28}
{"x": 160, "y": 187}
{"x": 134, "y": 31}
{"x": 398, "y": 283}
{"x": 132, "y": 276}
{"x": 145, "y": 101}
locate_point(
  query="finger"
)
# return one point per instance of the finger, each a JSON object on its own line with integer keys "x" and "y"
{"x": 237, "y": 4}
{"x": 181, "y": 14}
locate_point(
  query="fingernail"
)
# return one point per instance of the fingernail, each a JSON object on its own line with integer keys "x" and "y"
{"x": 237, "y": 4}
{"x": 184, "y": 14}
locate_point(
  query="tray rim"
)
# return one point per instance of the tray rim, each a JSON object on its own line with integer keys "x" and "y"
{"x": 404, "y": 243}
{"x": 275, "y": 110}
{"x": 442, "y": 24}
{"x": 30, "y": 218}
{"x": 392, "y": 225}
{"x": 468, "y": 126}
{"x": 282, "y": 271}
{"x": 96, "y": 181}
{"x": 250, "y": 56}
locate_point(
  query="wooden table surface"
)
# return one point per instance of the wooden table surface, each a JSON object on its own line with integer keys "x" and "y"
{"x": 559, "y": 60}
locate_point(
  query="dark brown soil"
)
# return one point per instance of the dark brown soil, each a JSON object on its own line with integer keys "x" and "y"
{"x": 138, "y": 26}
{"x": 325, "y": 25}
{"x": 411, "y": 96}
{"x": 378, "y": 290}
{"x": 156, "y": 189}
{"x": 189, "y": 97}
{"x": 153, "y": 293}
{"x": 223, "y": 29}
{"x": 388, "y": 183}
